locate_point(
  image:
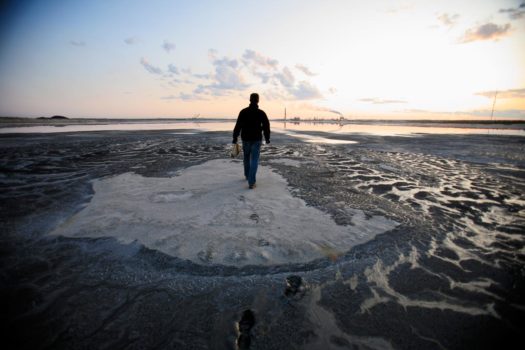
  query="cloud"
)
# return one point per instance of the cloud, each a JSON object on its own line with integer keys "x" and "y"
{"x": 512, "y": 93}
{"x": 259, "y": 65}
{"x": 183, "y": 96}
{"x": 173, "y": 69}
{"x": 210, "y": 90}
{"x": 225, "y": 61}
{"x": 286, "y": 87}
{"x": 380, "y": 101}
{"x": 168, "y": 46}
{"x": 227, "y": 76}
{"x": 150, "y": 68}
{"x": 305, "y": 70}
{"x": 202, "y": 76}
{"x": 515, "y": 13}
{"x": 189, "y": 72}
{"x": 448, "y": 20}
{"x": 232, "y": 75}
{"x": 190, "y": 97}
{"x": 273, "y": 95}
{"x": 131, "y": 40}
{"x": 305, "y": 91}
{"x": 487, "y": 31}
{"x": 283, "y": 81}
{"x": 77, "y": 43}
{"x": 265, "y": 77}
{"x": 286, "y": 77}
{"x": 258, "y": 59}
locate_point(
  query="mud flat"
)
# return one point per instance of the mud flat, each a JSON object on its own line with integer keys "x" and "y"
{"x": 152, "y": 240}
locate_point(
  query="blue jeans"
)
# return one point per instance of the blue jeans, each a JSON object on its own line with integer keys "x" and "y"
{"x": 251, "y": 150}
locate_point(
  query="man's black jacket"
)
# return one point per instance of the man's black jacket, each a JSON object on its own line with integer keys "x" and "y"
{"x": 251, "y": 123}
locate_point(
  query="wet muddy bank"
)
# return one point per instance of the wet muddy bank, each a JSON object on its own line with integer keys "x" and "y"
{"x": 449, "y": 276}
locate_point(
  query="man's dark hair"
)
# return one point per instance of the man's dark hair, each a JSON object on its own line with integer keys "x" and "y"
{"x": 254, "y": 98}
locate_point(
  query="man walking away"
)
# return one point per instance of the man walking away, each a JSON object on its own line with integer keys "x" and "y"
{"x": 251, "y": 123}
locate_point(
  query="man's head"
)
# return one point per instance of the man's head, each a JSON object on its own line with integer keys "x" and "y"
{"x": 254, "y": 98}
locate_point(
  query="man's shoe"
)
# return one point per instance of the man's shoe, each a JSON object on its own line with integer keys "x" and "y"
{"x": 251, "y": 187}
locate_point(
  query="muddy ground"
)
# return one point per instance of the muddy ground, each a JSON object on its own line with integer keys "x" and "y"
{"x": 450, "y": 276}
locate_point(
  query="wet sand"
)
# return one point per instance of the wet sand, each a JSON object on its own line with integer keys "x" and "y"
{"x": 449, "y": 275}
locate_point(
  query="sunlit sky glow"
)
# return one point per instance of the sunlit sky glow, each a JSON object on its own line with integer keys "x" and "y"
{"x": 360, "y": 59}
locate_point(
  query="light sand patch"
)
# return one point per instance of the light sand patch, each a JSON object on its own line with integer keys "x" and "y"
{"x": 206, "y": 214}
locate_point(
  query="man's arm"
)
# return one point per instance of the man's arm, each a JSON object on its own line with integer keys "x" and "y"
{"x": 237, "y": 129}
{"x": 266, "y": 128}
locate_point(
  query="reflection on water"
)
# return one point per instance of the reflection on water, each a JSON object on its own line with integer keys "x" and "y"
{"x": 288, "y": 128}
{"x": 399, "y": 130}
{"x": 201, "y": 126}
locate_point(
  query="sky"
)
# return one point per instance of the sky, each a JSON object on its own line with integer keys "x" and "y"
{"x": 316, "y": 59}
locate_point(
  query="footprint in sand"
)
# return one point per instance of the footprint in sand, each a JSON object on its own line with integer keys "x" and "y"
{"x": 255, "y": 217}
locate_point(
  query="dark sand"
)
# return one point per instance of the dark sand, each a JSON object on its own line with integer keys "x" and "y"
{"x": 450, "y": 276}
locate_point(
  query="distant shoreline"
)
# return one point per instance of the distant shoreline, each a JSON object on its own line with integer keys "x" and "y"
{"x": 9, "y": 122}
